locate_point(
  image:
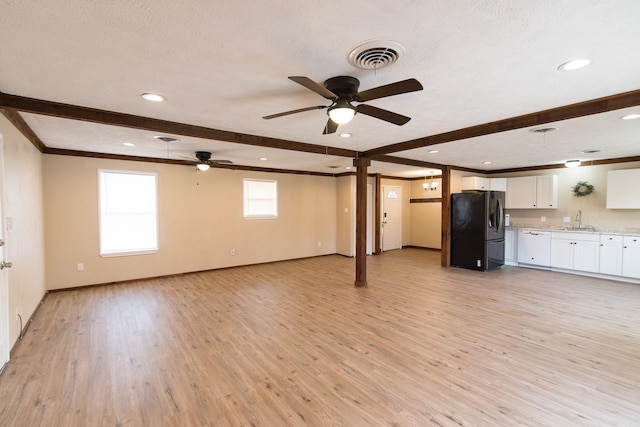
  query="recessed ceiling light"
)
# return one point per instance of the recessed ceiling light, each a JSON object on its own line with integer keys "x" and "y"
{"x": 486, "y": 163}
{"x": 345, "y": 135}
{"x": 128, "y": 144}
{"x": 264, "y": 159}
{"x": 572, "y": 163}
{"x": 591, "y": 151}
{"x": 433, "y": 151}
{"x": 153, "y": 97}
{"x": 631, "y": 116}
{"x": 574, "y": 65}
{"x": 348, "y": 168}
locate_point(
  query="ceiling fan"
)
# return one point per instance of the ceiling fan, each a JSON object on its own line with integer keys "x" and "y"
{"x": 204, "y": 160}
{"x": 342, "y": 91}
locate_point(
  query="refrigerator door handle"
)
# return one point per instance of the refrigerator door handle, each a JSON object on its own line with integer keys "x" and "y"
{"x": 500, "y": 215}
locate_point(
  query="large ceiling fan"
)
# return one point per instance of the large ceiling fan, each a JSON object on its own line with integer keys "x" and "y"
{"x": 343, "y": 90}
{"x": 204, "y": 161}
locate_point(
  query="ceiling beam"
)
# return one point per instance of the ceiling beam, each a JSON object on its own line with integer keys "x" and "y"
{"x": 16, "y": 120}
{"x": 581, "y": 109}
{"x": 74, "y": 112}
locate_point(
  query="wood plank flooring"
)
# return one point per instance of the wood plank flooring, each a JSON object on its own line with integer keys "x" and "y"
{"x": 296, "y": 344}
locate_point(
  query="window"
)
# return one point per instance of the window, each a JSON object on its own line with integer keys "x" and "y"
{"x": 260, "y": 199}
{"x": 128, "y": 217}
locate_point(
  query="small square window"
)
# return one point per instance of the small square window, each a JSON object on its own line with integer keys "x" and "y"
{"x": 260, "y": 199}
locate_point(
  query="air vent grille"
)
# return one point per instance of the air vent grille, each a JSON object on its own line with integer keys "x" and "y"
{"x": 376, "y": 55}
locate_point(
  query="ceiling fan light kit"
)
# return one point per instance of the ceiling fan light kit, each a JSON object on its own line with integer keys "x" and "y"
{"x": 342, "y": 114}
{"x": 342, "y": 91}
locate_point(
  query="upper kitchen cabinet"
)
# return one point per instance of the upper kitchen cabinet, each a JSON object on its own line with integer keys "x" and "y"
{"x": 532, "y": 192}
{"x": 484, "y": 184}
{"x": 475, "y": 183}
{"x": 622, "y": 189}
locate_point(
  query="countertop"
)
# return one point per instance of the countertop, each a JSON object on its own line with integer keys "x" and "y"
{"x": 572, "y": 229}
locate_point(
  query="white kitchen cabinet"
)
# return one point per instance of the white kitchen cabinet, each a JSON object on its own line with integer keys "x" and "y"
{"x": 575, "y": 251}
{"x": 622, "y": 191}
{"x": 510, "y": 246}
{"x": 498, "y": 184}
{"x": 547, "y": 191}
{"x": 475, "y": 183}
{"x": 631, "y": 256}
{"x": 521, "y": 192}
{"x": 534, "y": 248}
{"x": 532, "y": 192}
{"x": 611, "y": 254}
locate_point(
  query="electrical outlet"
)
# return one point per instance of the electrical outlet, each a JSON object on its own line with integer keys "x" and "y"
{"x": 566, "y": 219}
{"x": 80, "y": 266}
{"x": 319, "y": 244}
{"x": 233, "y": 252}
{"x": 543, "y": 218}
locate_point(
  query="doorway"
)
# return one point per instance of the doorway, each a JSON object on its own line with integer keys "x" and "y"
{"x": 391, "y": 233}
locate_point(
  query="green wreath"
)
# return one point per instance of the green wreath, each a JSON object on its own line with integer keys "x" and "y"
{"x": 582, "y": 189}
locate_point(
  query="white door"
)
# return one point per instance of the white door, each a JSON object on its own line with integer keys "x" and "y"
{"x": 391, "y": 217}
{"x": 4, "y": 287}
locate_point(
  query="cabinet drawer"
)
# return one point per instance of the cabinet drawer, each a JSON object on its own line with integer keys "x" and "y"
{"x": 585, "y": 237}
{"x": 610, "y": 238}
{"x": 631, "y": 241}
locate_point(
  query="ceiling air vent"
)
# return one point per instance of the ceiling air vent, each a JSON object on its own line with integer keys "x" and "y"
{"x": 377, "y": 54}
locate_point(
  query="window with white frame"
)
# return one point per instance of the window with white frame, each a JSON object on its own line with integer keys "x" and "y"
{"x": 260, "y": 199}
{"x": 128, "y": 213}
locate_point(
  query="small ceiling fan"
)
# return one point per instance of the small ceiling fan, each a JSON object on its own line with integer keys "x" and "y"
{"x": 204, "y": 160}
{"x": 342, "y": 91}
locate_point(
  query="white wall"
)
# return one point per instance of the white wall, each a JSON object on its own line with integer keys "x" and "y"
{"x": 200, "y": 221}
{"x": 24, "y": 232}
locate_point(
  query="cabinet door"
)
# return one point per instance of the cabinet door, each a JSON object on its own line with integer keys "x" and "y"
{"x": 611, "y": 255}
{"x": 475, "y": 183}
{"x": 547, "y": 192}
{"x": 631, "y": 257}
{"x": 510, "y": 246}
{"x": 562, "y": 253}
{"x": 521, "y": 192}
{"x": 586, "y": 255}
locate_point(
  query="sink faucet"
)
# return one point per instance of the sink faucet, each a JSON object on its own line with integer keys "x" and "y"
{"x": 579, "y": 218}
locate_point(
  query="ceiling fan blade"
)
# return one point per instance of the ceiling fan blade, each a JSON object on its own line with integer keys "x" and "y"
{"x": 386, "y": 115}
{"x": 330, "y": 127}
{"x": 311, "y": 85}
{"x": 300, "y": 110}
{"x": 221, "y": 161}
{"x": 404, "y": 86}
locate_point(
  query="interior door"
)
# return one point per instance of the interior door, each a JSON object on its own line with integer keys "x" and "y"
{"x": 4, "y": 286}
{"x": 391, "y": 217}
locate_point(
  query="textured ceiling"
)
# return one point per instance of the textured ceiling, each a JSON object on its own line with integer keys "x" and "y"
{"x": 224, "y": 65}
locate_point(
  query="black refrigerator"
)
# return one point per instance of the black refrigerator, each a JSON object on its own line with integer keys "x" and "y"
{"x": 477, "y": 229}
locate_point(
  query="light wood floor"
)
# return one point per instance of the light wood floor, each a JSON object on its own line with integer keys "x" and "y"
{"x": 295, "y": 343}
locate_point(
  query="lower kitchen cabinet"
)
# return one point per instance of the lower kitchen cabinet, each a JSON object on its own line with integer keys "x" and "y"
{"x": 611, "y": 254}
{"x": 510, "y": 242}
{"x": 631, "y": 256}
{"x": 575, "y": 251}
